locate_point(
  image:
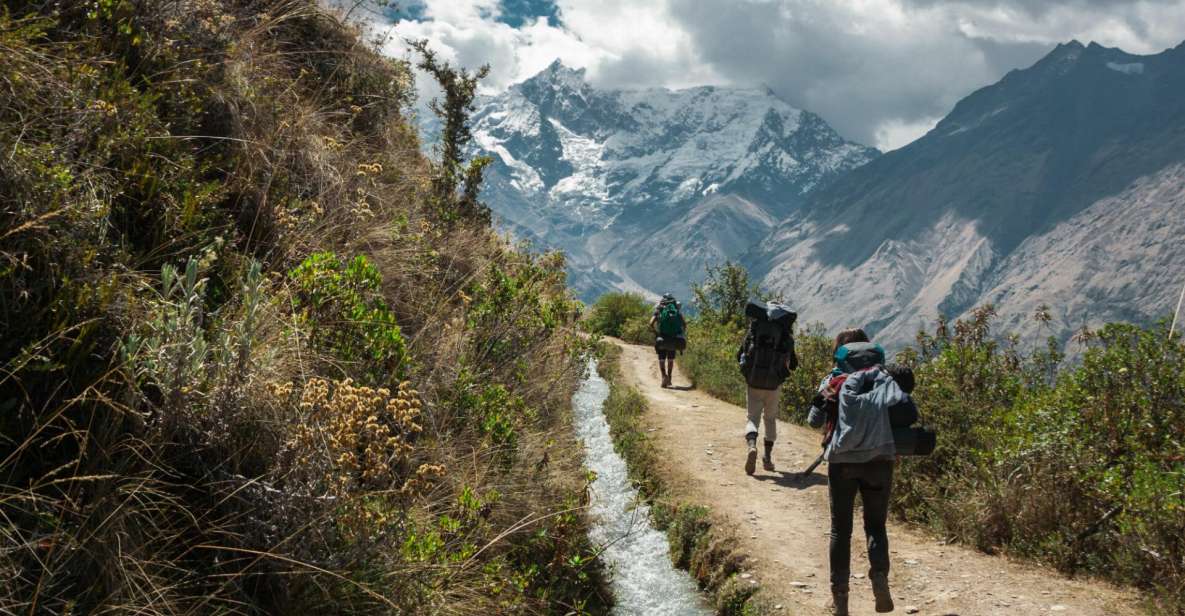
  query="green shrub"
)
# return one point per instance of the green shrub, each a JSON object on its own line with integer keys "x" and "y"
{"x": 710, "y": 359}
{"x": 815, "y": 360}
{"x": 1083, "y": 470}
{"x": 721, "y": 297}
{"x": 716, "y": 333}
{"x": 612, "y": 311}
{"x": 345, "y": 314}
{"x": 637, "y": 331}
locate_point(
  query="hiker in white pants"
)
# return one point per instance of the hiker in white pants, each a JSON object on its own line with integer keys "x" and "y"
{"x": 766, "y": 358}
{"x": 762, "y": 404}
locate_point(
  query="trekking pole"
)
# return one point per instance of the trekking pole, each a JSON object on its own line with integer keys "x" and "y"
{"x": 810, "y": 469}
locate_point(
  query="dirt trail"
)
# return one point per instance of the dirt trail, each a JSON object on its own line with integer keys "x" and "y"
{"x": 781, "y": 523}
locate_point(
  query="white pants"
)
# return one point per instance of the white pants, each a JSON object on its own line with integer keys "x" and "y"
{"x": 763, "y": 403}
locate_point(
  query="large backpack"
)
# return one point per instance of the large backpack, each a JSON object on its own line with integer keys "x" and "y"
{"x": 769, "y": 346}
{"x": 849, "y": 358}
{"x": 856, "y": 356}
{"x": 670, "y": 327}
{"x": 670, "y": 323}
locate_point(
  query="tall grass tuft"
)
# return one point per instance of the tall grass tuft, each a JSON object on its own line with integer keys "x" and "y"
{"x": 255, "y": 360}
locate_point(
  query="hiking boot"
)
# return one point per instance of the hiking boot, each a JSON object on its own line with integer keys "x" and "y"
{"x": 751, "y": 458}
{"x": 767, "y": 461}
{"x": 839, "y": 603}
{"x": 880, "y": 590}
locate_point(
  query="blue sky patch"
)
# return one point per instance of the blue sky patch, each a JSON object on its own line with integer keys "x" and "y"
{"x": 516, "y": 12}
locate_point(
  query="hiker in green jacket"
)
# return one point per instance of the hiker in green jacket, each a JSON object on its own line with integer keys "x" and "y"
{"x": 669, "y": 334}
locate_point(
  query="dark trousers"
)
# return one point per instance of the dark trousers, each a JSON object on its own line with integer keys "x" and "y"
{"x": 873, "y": 480}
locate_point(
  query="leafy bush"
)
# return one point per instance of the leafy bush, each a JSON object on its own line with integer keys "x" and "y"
{"x": 345, "y": 314}
{"x": 637, "y": 330}
{"x": 710, "y": 362}
{"x": 710, "y": 359}
{"x": 1083, "y": 471}
{"x": 722, "y": 295}
{"x": 612, "y": 311}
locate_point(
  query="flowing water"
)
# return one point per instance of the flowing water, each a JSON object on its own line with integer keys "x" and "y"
{"x": 643, "y": 579}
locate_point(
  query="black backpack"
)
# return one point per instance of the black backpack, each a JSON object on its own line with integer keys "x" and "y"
{"x": 909, "y": 440}
{"x": 768, "y": 347}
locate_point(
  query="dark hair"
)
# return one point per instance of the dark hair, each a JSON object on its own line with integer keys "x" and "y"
{"x": 847, "y": 336}
{"x": 903, "y": 375}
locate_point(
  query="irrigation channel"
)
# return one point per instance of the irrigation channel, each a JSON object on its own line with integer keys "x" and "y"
{"x": 642, "y": 577}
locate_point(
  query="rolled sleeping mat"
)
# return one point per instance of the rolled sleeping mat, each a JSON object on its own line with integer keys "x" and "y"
{"x": 756, "y": 310}
{"x": 856, "y": 356}
{"x": 781, "y": 313}
{"x": 914, "y": 441}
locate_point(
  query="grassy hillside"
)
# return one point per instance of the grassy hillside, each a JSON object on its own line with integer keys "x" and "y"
{"x": 259, "y": 354}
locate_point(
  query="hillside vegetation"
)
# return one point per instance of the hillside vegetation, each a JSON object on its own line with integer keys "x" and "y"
{"x": 621, "y": 315}
{"x": 261, "y": 356}
{"x": 1077, "y": 465}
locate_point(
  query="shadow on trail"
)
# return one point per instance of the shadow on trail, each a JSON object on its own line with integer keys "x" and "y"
{"x": 682, "y": 387}
{"x": 794, "y": 480}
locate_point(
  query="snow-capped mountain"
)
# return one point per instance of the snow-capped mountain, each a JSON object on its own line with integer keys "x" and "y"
{"x": 1063, "y": 185}
{"x": 645, "y": 188}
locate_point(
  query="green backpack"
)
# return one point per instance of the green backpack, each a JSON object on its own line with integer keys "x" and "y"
{"x": 670, "y": 324}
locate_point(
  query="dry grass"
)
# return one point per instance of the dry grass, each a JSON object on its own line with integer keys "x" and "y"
{"x": 179, "y": 434}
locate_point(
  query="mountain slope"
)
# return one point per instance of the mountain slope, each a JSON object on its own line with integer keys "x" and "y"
{"x": 1034, "y": 190}
{"x": 642, "y": 189}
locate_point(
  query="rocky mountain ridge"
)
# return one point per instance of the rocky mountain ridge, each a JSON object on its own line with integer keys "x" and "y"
{"x": 644, "y": 188}
{"x": 1061, "y": 185}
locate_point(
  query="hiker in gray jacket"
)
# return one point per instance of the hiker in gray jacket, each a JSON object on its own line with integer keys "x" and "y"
{"x": 860, "y": 458}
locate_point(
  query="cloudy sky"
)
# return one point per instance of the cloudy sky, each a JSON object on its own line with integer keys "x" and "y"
{"x": 881, "y": 71}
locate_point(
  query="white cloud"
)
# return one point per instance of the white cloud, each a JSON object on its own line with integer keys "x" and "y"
{"x": 1137, "y": 27}
{"x": 895, "y": 133}
{"x": 880, "y": 71}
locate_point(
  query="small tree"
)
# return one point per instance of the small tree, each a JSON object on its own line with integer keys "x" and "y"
{"x": 453, "y": 173}
{"x": 722, "y": 296}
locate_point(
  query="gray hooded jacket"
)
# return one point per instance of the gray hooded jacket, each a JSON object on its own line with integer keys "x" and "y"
{"x": 863, "y": 432}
